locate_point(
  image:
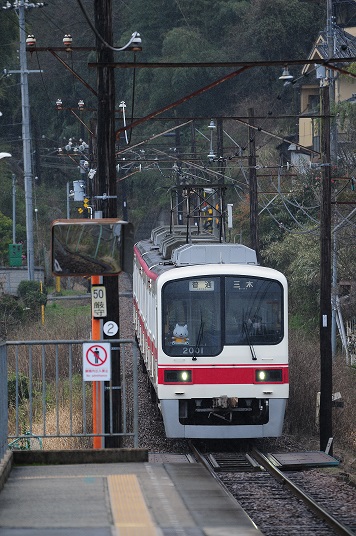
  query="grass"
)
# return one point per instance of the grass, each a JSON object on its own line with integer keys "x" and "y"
{"x": 64, "y": 320}
{"x": 55, "y": 311}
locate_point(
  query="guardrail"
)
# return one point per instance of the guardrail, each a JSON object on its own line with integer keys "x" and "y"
{"x": 3, "y": 400}
{"x": 49, "y": 403}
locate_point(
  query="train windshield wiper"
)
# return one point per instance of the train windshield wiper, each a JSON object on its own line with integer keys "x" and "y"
{"x": 253, "y": 353}
{"x": 199, "y": 339}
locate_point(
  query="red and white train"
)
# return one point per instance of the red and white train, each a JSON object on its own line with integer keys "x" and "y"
{"x": 212, "y": 329}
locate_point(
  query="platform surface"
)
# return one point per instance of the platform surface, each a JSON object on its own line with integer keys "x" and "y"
{"x": 119, "y": 499}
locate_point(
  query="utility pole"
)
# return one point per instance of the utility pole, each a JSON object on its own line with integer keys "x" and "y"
{"x": 325, "y": 277}
{"x": 105, "y": 179}
{"x": 253, "y": 185}
{"x": 20, "y": 7}
{"x": 106, "y": 183}
{"x": 331, "y": 77}
{"x": 333, "y": 160}
{"x": 26, "y": 139}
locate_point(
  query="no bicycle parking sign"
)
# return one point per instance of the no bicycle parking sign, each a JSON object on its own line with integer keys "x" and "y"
{"x": 96, "y": 361}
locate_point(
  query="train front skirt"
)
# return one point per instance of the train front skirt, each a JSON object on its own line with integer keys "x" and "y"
{"x": 173, "y": 419}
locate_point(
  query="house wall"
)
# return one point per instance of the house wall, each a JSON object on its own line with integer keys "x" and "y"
{"x": 309, "y": 103}
{"x": 345, "y": 88}
{"x": 305, "y": 132}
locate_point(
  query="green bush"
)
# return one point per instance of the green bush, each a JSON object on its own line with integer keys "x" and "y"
{"x": 31, "y": 295}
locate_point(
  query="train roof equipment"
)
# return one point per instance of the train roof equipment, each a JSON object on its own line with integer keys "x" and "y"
{"x": 194, "y": 243}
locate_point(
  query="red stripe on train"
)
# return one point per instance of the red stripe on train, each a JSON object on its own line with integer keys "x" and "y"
{"x": 226, "y": 375}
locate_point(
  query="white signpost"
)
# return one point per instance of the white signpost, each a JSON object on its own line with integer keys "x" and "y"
{"x": 96, "y": 362}
{"x": 98, "y": 301}
{"x": 110, "y": 328}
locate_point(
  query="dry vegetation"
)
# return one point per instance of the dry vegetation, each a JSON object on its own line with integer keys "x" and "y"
{"x": 64, "y": 320}
{"x": 304, "y": 378}
{"x": 70, "y": 320}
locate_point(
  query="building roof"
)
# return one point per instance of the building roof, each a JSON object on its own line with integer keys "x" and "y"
{"x": 344, "y": 46}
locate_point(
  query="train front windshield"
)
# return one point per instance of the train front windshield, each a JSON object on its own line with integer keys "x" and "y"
{"x": 201, "y": 315}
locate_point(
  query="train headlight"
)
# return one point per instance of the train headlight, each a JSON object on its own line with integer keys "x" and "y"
{"x": 260, "y": 375}
{"x": 178, "y": 376}
{"x": 269, "y": 375}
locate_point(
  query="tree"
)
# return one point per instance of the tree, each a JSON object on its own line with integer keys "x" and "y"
{"x": 298, "y": 257}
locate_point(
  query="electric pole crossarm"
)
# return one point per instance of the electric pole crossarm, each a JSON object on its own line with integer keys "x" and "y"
{"x": 73, "y": 72}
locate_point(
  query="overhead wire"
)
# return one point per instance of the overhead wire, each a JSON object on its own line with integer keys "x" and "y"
{"x": 182, "y": 13}
{"x": 94, "y": 29}
{"x": 114, "y": 48}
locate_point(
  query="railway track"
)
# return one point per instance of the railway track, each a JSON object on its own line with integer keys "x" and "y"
{"x": 281, "y": 505}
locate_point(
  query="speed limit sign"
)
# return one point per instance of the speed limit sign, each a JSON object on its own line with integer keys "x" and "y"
{"x": 98, "y": 301}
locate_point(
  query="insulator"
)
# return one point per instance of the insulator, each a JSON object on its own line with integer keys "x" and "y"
{"x": 30, "y": 41}
{"x": 67, "y": 41}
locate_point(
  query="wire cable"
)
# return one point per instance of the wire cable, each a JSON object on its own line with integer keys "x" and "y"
{"x": 99, "y": 36}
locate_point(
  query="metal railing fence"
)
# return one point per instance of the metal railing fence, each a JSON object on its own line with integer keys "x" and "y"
{"x": 50, "y": 404}
{"x": 3, "y": 400}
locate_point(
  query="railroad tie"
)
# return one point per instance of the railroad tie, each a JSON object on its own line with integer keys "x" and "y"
{"x": 128, "y": 506}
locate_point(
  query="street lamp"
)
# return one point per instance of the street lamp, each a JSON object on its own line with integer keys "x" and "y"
{"x": 286, "y": 76}
{"x": 211, "y": 127}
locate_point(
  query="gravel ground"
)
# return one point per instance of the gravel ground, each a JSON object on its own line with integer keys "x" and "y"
{"x": 151, "y": 429}
{"x": 277, "y": 512}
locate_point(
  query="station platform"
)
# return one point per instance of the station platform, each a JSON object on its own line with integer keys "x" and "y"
{"x": 156, "y": 496}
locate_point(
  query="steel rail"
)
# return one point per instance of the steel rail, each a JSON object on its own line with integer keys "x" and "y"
{"x": 202, "y": 459}
{"x": 310, "y": 503}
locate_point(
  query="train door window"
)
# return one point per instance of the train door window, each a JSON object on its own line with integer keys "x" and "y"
{"x": 192, "y": 317}
{"x": 253, "y": 310}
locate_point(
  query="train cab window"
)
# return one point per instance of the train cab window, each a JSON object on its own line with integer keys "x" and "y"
{"x": 192, "y": 317}
{"x": 253, "y": 311}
